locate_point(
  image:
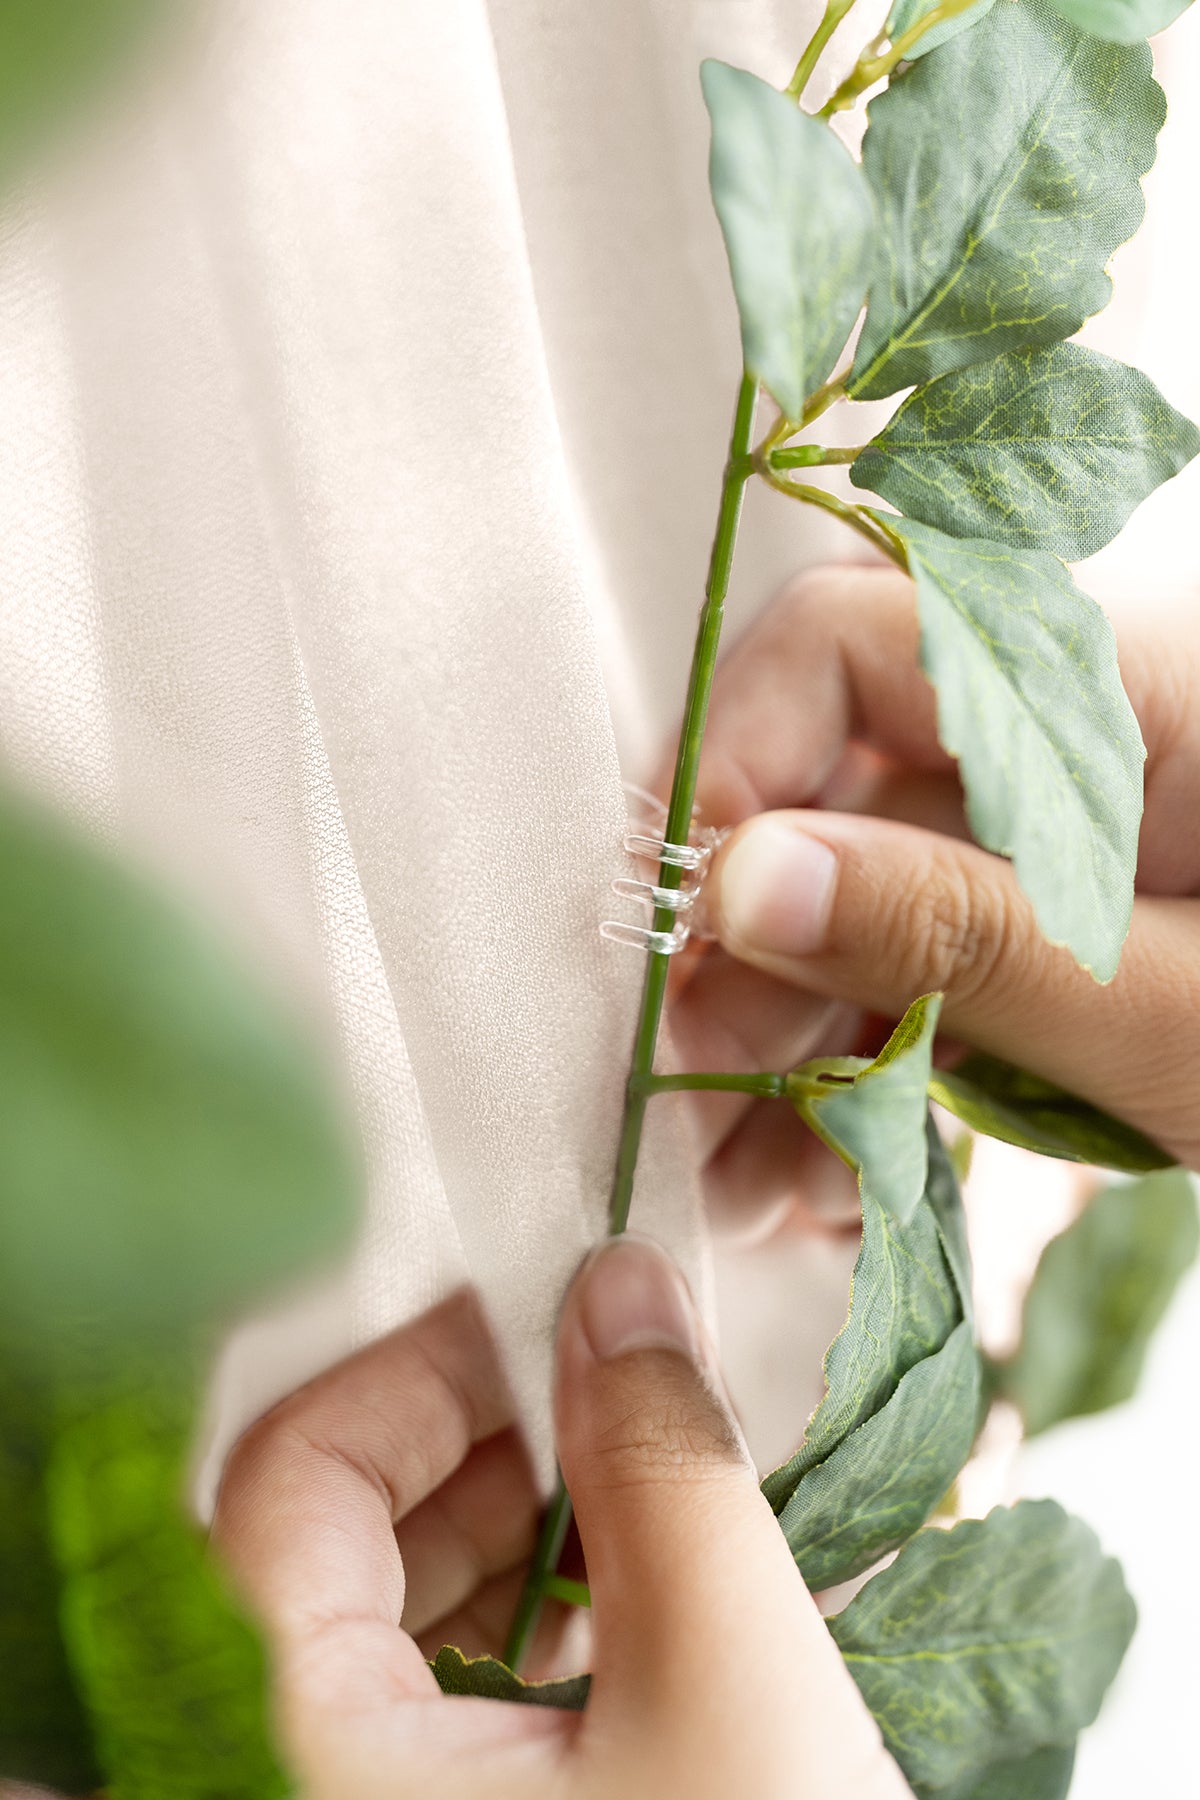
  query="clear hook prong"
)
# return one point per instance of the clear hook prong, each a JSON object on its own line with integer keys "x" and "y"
{"x": 676, "y": 900}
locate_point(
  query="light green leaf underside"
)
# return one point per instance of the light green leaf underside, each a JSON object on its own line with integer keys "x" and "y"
{"x": 1046, "y": 1775}
{"x": 984, "y": 1644}
{"x": 905, "y": 1303}
{"x": 170, "y": 1150}
{"x": 1019, "y": 1108}
{"x": 174, "y": 1677}
{"x": 884, "y": 1480}
{"x": 491, "y": 1679}
{"x": 1122, "y": 21}
{"x": 1048, "y": 448}
{"x": 1100, "y": 1290}
{"x": 907, "y": 13}
{"x": 1006, "y": 170}
{"x": 797, "y": 219}
{"x": 1030, "y": 701}
{"x": 874, "y": 1118}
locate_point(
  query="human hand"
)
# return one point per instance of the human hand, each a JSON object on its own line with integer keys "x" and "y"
{"x": 387, "y": 1507}
{"x": 874, "y": 894}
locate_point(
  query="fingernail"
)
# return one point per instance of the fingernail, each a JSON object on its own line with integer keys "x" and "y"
{"x": 776, "y": 890}
{"x": 632, "y": 1297}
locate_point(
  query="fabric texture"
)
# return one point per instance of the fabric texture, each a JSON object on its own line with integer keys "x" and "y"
{"x": 366, "y": 382}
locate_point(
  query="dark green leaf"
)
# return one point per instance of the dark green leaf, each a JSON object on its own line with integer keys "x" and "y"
{"x": 1046, "y": 1775}
{"x": 907, "y": 13}
{"x": 1051, "y": 448}
{"x": 1030, "y": 701}
{"x": 1122, "y": 21}
{"x": 1100, "y": 1290}
{"x": 872, "y": 1114}
{"x": 905, "y": 1303}
{"x": 45, "y": 1734}
{"x": 883, "y": 1481}
{"x": 1006, "y": 169}
{"x": 494, "y": 1680}
{"x": 981, "y": 1645}
{"x": 170, "y": 1149}
{"x": 1019, "y": 1108}
{"x": 797, "y": 219}
{"x": 51, "y": 53}
{"x": 174, "y": 1677}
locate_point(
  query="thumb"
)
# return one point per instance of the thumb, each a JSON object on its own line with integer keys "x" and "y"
{"x": 706, "y": 1640}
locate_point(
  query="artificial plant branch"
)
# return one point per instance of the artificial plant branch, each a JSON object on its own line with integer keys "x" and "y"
{"x": 870, "y": 68}
{"x": 835, "y": 12}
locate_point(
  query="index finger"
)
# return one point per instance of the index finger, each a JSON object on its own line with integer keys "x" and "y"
{"x": 312, "y": 1492}
{"x": 834, "y": 660}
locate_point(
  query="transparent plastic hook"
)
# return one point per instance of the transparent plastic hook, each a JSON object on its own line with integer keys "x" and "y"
{"x": 647, "y": 840}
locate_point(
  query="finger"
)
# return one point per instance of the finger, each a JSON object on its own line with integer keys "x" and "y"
{"x": 834, "y": 662}
{"x": 876, "y": 912}
{"x": 706, "y": 1639}
{"x": 833, "y": 659}
{"x": 773, "y": 1173}
{"x": 311, "y": 1493}
{"x": 481, "y": 1523}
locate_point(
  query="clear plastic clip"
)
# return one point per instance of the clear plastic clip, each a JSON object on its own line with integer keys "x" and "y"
{"x": 646, "y": 839}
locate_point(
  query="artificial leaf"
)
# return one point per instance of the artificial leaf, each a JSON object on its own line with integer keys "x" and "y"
{"x": 1051, "y": 448}
{"x": 45, "y": 1733}
{"x": 1029, "y": 700}
{"x": 873, "y": 1114}
{"x": 1122, "y": 21}
{"x": 1009, "y": 1103}
{"x": 1006, "y": 170}
{"x": 51, "y": 53}
{"x": 494, "y": 1680}
{"x": 1045, "y": 1775}
{"x": 906, "y": 1300}
{"x": 797, "y": 219}
{"x": 1100, "y": 1290}
{"x": 1025, "y": 1622}
{"x": 174, "y": 1677}
{"x": 170, "y": 1147}
{"x": 883, "y": 1481}
{"x": 907, "y": 13}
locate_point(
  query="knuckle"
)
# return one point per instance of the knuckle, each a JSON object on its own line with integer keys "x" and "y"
{"x": 681, "y": 1434}
{"x": 957, "y": 932}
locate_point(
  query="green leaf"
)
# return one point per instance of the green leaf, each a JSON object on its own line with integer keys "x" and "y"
{"x": 1006, "y": 170}
{"x": 797, "y": 218}
{"x": 907, "y": 1298}
{"x": 1030, "y": 701}
{"x": 173, "y": 1675}
{"x": 45, "y": 1733}
{"x": 873, "y": 1114}
{"x": 170, "y": 1148}
{"x": 51, "y": 53}
{"x": 494, "y": 1680}
{"x": 987, "y": 1643}
{"x": 1051, "y": 448}
{"x": 1122, "y": 21}
{"x": 1019, "y": 1108}
{"x": 1100, "y": 1290}
{"x": 1046, "y": 1775}
{"x": 907, "y": 13}
{"x": 883, "y": 1481}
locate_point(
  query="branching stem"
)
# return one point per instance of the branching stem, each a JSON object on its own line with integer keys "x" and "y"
{"x": 871, "y": 68}
{"x": 854, "y": 516}
{"x": 835, "y": 12}
{"x": 738, "y": 470}
{"x": 763, "y": 1087}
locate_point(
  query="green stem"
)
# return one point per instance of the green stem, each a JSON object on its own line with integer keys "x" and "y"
{"x": 812, "y": 456}
{"x": 854, "y": 516}
{"x": 738, "y": 470}
{"x": 571, "y": 1593}
{"x": 870, "y": 68}
{"x": 764, "y": 1087}
{"x": 835, "y": 12}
